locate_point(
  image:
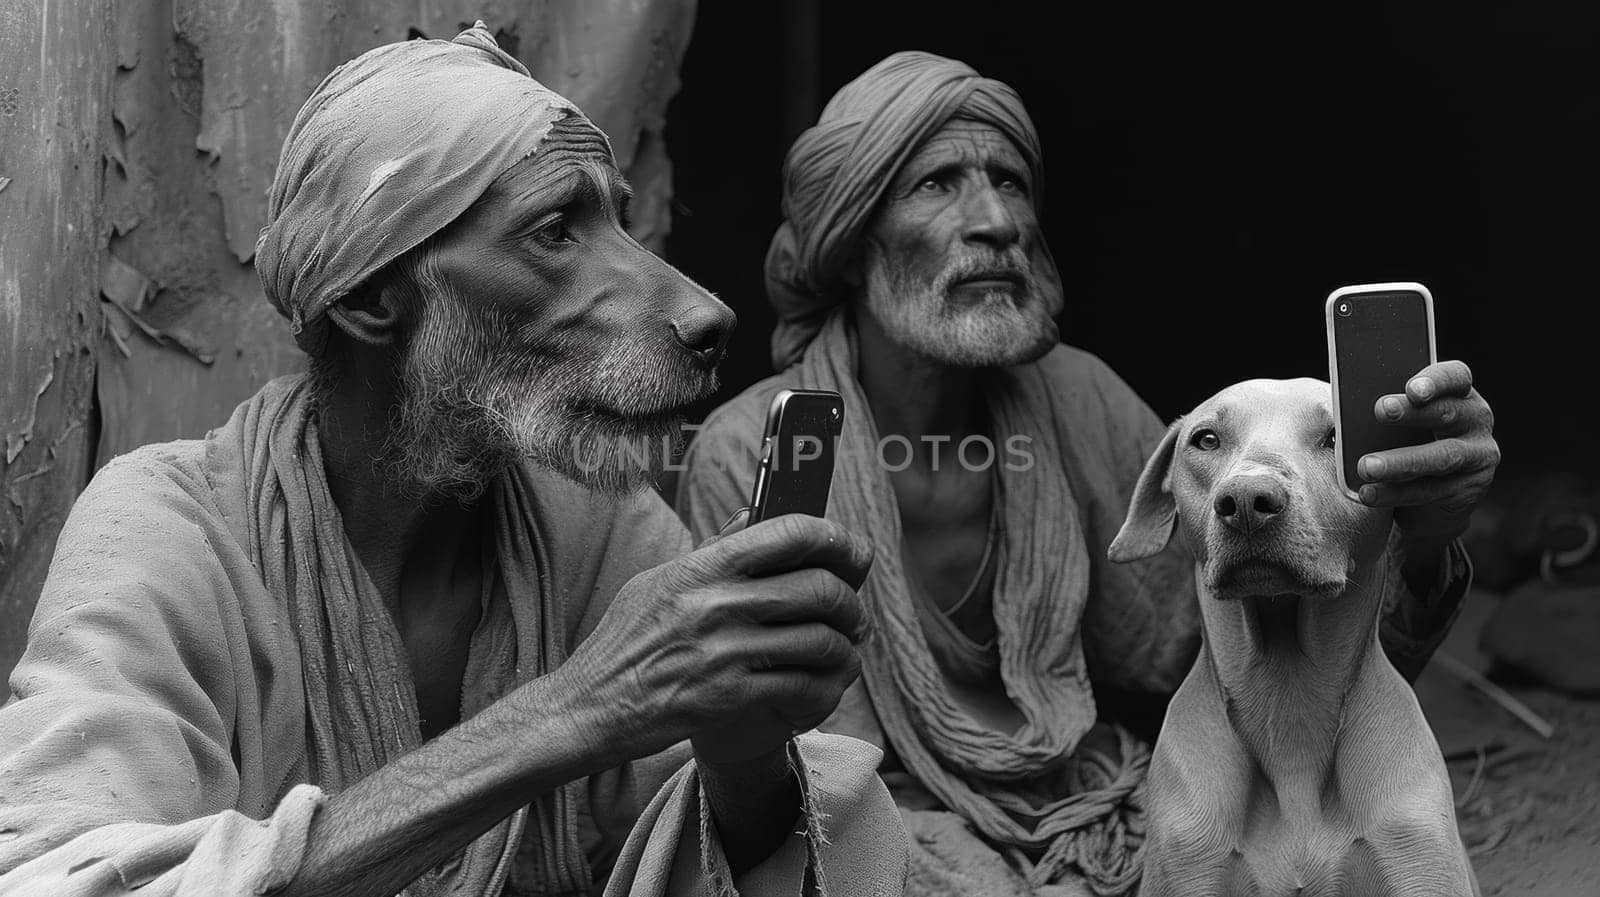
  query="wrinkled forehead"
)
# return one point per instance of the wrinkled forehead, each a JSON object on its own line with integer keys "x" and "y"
{"x": 573, "y": 162}
{"x": 963, "y": 143}
{"x": 1292, "y": 405}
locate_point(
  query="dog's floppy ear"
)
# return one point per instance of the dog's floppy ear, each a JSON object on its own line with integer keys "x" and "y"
{"x": 1153, "y": 513}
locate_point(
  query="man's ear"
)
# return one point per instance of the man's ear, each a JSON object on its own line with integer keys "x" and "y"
{"x": 1153, "y": 513}
{"x": 370, "y": 315}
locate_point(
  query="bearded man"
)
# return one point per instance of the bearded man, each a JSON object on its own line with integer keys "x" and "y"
{"x": 993, "y": 467}
{"x": 386, "y": 612}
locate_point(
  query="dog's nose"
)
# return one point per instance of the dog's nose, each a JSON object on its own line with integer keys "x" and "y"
{"x": 704, "y": 329}
{"x": 1248, "y": 502}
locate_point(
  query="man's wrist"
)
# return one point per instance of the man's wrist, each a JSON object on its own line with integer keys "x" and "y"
{"x": 1427, "y": 524}
{"x": 1428, "y": 605}
{"x": 760, "y": 772}
{"x": 756, "y": 803}
{"x": 589, "y": 724}
{"x": 1425, "y": 564}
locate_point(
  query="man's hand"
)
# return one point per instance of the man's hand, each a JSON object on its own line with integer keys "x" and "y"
{"x": 1433, "y": 487}
{"x": 753, "y": 633}
{"x": 738, "y": 644}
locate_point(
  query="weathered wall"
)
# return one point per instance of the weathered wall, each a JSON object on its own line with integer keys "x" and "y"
{"x": 187, "y": 102}
{"x": 53, "y": 104}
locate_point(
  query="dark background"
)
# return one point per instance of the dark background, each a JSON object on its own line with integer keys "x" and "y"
{"x": 1212, "y": 173}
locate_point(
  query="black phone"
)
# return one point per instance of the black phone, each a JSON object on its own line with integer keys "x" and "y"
{"x": 796, "y": 470}
{"x": 1379, "y": 336}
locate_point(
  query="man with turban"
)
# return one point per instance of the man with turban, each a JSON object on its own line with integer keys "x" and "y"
{"x": 385, "y": 629}
{"x": 1009, "y": 660}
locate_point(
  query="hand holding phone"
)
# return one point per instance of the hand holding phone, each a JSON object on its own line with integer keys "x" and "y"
{"x": 1379, "y": 336}
{"x": 796, "y": 469}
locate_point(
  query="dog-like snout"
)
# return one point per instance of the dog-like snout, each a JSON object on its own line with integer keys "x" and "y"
{"x": 704, "y": 328}
{"x": 1248, "y": 502}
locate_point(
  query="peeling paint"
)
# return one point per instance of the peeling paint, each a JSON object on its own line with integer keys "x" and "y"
{"x": 176, "y": 339}
{"x": 617, "y": 59}
{"x": 18, "y": 438}
{"x": 124, "y": 284}
{"x": 33, "y": 474}
{"x": 53, "y": 93}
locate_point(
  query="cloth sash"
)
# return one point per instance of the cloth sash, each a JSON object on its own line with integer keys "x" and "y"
{"x": 1040, "y": 590}
{"x": 360, "y": 698}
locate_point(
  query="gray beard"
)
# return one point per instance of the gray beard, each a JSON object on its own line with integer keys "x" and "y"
{"x": 999, "y": 331}
{"x": 472, "y": 405}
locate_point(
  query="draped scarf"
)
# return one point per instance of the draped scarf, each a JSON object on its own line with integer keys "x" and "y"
{"x": 361, "y": 701}
{"x": 1039, "y": 595}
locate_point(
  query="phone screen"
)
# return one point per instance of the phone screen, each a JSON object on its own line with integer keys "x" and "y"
{"x": 797, "y": 454}
{"x": 1377, "y": 341}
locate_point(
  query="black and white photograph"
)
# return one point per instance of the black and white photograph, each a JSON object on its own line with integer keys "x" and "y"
{"x": 799, "y": 448}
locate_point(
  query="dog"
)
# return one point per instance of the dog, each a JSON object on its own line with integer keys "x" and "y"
{"x": 1294, "y": 759}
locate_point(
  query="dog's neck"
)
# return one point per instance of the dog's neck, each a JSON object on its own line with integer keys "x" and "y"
{"x": 1286, "y": 667}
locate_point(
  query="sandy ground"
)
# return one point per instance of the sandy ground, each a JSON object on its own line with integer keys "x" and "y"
{"x": 1529, "y": 809}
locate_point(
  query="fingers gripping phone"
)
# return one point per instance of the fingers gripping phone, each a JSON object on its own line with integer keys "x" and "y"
{"x": 1379, "y": 336}
{"x": 796, "y": 469}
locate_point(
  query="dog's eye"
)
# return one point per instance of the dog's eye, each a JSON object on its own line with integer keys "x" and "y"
{"x": 1327, "y": 441}
{"x": 1205, "y": 440}
{"x": 552, "y": 229}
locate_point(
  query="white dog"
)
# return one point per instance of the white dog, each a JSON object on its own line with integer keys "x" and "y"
{"x": 1294, "y": 759}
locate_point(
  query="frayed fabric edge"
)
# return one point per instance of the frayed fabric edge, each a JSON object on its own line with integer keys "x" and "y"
{"x": 714, "y": 862}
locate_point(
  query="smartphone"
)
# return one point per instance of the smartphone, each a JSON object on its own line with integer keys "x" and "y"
{"x": 1379, "y": 336}
{"x": 796, "y": 469}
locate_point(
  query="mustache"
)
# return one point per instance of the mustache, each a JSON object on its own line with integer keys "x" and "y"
{"x": 1012, "y": 263}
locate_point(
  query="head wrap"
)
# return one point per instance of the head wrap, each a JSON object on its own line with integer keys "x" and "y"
{"x": 390, "y": 148}
{"x": 840, "y": 168}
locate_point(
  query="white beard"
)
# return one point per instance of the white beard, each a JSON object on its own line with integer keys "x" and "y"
{"x": 1001, "y": 330}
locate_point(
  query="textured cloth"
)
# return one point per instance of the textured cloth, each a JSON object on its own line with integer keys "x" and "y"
{"x": 1052, "y": 584}
{"x": 1137, "y": 626}
{"x": 207, "y": 652}
{"x": 360, "y": 701}
{"x": 837, "y": 171}
{"x": 853, "y": 842}
{"x": 391, "y": 147}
